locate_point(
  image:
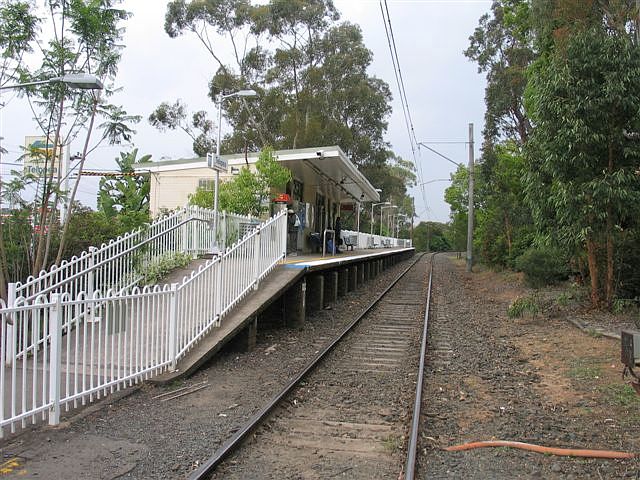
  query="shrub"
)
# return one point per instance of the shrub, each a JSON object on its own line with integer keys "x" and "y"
{"x": 542, "y": 266}
{"x": 164, "y": 265}
{"x": 523, "y": 305}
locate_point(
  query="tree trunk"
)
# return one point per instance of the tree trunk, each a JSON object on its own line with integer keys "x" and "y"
{"x": 609, "y": 286}
{"x": 507, "y": 231}
{"x": 39, "y": 259}
{"x": 65, "y": 227}
{"x": 592, "y": 261}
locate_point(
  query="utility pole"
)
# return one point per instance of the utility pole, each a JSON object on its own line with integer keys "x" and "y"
{"x": 413, "y": 213}
{"x": 470, "y": 213}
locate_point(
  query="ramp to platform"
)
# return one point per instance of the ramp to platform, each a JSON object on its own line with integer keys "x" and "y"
{"x": 271, "y": 287}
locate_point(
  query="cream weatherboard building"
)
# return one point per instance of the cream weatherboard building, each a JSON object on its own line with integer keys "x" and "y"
{"x": 324, "y": 182}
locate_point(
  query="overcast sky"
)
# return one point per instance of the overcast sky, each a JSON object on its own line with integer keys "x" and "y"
{"x": 444, "y": 90}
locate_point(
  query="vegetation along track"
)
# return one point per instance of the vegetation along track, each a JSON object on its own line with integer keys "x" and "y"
{"x": 351, "y": 415}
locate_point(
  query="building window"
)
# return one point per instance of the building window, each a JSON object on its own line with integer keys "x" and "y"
{"x": 206, "y": 184}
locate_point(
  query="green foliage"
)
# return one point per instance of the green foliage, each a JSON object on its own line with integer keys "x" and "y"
{"x": 581, "y": 183}
{"x": 17, "y": 231}
{"x": 502, "y": 47}
{"x": 621, "y": 395}
{"x": 585, "y": 370}
{"x": 247, "y": 192}
{"x": 126, "y": 197}
{"x": 72, "y": 36}
{"x": 560, "y": 151}
{"x": 310, "y": 73}
{"x": 431, "y": 237}
{"x": 503, "y": 222}
{"x": 542, "y": 266}
{"x": 522, "y": 305}
{"x": 457, "y": 196}
{"x": 162, "y": 266}
{"x": 174, "y": 116}
{"x": 622, "y": 305}
{"x": 18, "y": 30}
{"x": 90, "y": 229}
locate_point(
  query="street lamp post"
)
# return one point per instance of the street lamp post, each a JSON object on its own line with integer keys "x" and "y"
{"x": 375, "y": 205}
{"x": 398, "y": 217}
{"x": 83, "y": 81}
{"x": 217, "y": 164}
{"x": 382, "y": 208}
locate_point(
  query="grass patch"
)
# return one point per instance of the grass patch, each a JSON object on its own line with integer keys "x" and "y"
{"x": 563, "y": 299}
{"x": 584, "y": 369}
{"x": 621, "y": 395}
{"x": 592, "y": 332}
{"x": 391, "y": 443}
{"x": 523, "y": 305}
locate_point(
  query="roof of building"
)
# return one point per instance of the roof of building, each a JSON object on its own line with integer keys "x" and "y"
{"x": 329, "y": 163}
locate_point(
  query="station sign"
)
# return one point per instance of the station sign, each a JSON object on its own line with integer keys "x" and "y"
{"x": 39, "y": 156}
{"x": 216, "y": 162}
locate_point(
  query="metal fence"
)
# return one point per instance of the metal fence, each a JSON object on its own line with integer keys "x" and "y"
{"x": 120, "y": 263}
{"x": 68, "y": 348}
{"x": 366, "y": 240}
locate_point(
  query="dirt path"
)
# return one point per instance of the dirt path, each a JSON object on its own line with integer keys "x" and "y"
{"x": 533, "y": 379}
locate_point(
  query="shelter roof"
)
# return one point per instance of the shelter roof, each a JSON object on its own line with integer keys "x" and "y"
{"x": 330, "y": 164}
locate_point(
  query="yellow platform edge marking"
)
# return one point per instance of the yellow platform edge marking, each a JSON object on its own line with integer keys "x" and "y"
{"x": 10, "y": 465}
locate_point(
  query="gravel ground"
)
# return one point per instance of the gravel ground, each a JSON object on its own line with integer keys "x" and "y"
{"x": 143, "y": 436}
{"x": 533, "y": 379}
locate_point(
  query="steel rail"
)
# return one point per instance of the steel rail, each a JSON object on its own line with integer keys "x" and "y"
{"x": 412, "y": 446}
{"x": 234, "y": 441}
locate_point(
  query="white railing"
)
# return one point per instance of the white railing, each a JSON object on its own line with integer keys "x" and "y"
{"x": 366, "y": 240}
{"x": 120, "y": 263}
{"x": 62, "y": 350}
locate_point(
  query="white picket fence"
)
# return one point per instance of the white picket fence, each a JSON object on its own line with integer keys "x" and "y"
{"x": 69, "y": 346}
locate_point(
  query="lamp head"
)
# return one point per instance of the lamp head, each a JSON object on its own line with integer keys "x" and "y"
{"x": 83, "y": 81}
{"x": 246, "y": 93}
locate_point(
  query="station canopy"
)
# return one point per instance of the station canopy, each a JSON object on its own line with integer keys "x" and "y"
{"x": 328, "y": 168}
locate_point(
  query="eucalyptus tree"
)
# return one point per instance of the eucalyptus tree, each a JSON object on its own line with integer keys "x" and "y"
{"x": 503, "y": 47}
{"x": 309, "y": 70}
{"x": 60, "y": 37}
{"x": 583, "y": 156}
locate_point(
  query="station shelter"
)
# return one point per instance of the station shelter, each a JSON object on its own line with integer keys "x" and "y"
{"x": 325, "y": 184}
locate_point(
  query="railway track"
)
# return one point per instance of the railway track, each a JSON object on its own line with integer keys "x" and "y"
{"x": 349, "y": 412}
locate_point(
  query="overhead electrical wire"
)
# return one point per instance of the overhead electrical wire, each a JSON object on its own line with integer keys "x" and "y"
{"x": 395, "y": 60}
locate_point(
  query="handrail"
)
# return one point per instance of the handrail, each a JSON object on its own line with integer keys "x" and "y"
{"x": 111, "y": 259}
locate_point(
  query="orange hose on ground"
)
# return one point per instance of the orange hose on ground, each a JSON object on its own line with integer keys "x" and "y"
{"x": 571, "y": 452}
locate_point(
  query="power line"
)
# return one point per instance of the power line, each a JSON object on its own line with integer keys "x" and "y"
{"x": 403, "y": 91}
{"x": 395, "y": 60}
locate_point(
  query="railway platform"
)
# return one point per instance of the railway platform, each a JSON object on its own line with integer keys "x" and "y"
{"x": 301, "y": 284}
